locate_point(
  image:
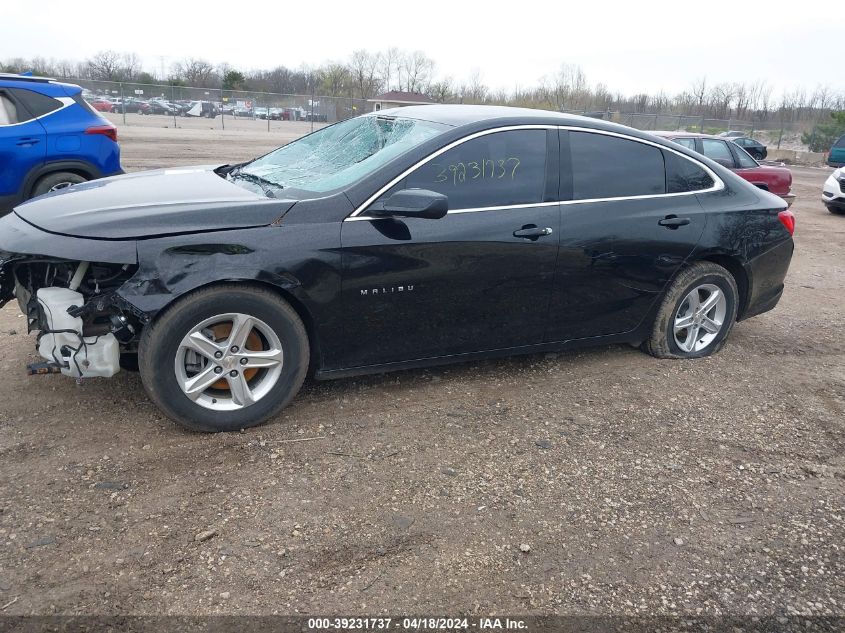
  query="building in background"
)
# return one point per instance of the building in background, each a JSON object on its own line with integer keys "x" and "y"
{"x": 398, "y": 99}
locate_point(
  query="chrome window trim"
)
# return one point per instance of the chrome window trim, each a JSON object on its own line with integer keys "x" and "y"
{"x": 65, "y": 101}
{"x": 718, "y": 183}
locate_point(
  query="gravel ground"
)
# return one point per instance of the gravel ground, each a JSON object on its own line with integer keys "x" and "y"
{"x": 598, "y": 482}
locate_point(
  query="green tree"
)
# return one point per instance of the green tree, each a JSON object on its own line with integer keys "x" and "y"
{"x": 234, "y": 80}
{"x": 824, "y": 135}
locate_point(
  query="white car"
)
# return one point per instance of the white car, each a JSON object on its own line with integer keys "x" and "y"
{"x": 833, "y": 193}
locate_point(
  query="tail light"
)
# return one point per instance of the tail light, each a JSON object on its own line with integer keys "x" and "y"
{"x": 105, "y": 130}
{"x": 787, "y": 218}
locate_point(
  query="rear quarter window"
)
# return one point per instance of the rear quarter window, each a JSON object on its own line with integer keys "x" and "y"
{"x": 683, "y": 174}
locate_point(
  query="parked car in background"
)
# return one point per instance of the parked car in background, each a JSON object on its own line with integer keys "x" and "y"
{"x": 130, "y": 105}
{"x": 260, "y": 113}
{"x": 731, "y": 134}
{"x": 50, "y": 138}
{"x": 833, "y": 192}
{"x": 158, "y": 107}
{"x": 204, "y": 109}
{"x": 777, "y": 180}
{"x": 102, "y": 105}
{"x": 337, "y": 253}
{"x": 242, "y": 112}
{"x": 752, "y": 146}
{"x": 836, "y": 157}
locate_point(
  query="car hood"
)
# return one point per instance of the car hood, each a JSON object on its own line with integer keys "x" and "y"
{"x": 151, "y": 204}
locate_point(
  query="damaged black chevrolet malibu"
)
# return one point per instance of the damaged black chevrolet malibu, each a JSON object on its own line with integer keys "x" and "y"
{"x": 398, "y": 239}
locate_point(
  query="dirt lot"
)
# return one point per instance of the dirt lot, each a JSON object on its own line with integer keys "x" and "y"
{"x": 641, "y": 486}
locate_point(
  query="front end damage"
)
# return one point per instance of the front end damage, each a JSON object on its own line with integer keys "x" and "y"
{"x": 83, "y": 325}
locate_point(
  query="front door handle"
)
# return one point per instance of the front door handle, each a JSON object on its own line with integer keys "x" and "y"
{"x": 673, "y": 221}
{"x": 27, "y": 141}
{"x": 532, "y": 232}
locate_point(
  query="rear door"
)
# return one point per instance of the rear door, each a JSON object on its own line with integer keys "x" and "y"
{"x": 479, "y": 278}
{"x": 626, "y": 229}
{"x": 23, "y": 144}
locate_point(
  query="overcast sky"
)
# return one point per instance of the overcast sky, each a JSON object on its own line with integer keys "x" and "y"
{"x": 629, "y": 46}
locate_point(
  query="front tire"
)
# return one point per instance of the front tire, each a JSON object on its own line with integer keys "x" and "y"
{"x": 224, "y": 358}
{"x": 696, "y": 314}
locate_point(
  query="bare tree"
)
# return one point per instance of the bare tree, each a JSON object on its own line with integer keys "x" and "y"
{"x": 104, "y": 66}
{"x": 364, "y": 67}
{"x": 475, "y": 90}
{"x": 130, "y": 66}
{"x": 335, "y": 80}
{"x": 443, "y": 91}
{"x": 196, "y": 72}
{"x": 418, "y": 69}
{"x": 390, "y": 64}
{"x": 698, "y": 90}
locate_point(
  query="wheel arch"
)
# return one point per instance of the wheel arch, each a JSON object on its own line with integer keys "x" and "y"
{"x": 80, "y": 167}
{"x": 734, "y": 266}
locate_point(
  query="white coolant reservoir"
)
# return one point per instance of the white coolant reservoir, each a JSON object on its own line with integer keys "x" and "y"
{"x": 89, "y": 357}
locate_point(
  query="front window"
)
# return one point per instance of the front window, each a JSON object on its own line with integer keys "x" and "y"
{"x": 340, "y": 154}
{"x": 500, "y": 169}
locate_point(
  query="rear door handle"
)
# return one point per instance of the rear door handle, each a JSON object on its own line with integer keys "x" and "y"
{"x": 673, "y": 221}
{"x": 532, "y": 232}
{"x": 27, "y": 141}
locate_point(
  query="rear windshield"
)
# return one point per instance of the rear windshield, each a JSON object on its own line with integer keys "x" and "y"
{"x": 840, "y": 142}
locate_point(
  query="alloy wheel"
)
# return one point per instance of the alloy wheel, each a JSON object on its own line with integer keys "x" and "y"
{"x": 229, "y": 361}
{"x": 700, "y": 318}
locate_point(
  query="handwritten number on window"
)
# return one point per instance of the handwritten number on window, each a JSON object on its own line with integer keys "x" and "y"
{"x": 484, "y": 169}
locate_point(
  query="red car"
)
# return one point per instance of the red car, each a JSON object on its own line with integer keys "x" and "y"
{"x": 101, "y": 105}
{"x": 777, "y": 180}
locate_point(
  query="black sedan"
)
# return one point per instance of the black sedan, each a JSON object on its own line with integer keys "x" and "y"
{"x": 403, "y": 238}
{"x": 755, "y": 148}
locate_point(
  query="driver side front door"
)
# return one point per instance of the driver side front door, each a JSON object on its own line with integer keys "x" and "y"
{"x": 478, "y": 279}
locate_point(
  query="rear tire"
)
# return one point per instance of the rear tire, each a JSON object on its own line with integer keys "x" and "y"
{"x": 55, "y": 181}
{"x": 241, "y": 395}
{"x": 685, "y": 327}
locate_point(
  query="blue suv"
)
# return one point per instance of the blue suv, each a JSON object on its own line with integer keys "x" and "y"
{"x": 50, "y": 138}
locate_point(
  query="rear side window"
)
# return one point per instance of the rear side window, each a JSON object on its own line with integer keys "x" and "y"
{"x": 717, "y": 151}
{"x": 35, "y": 103}
{"x": 498, "y": 169}
{"x": 684, "y": 175}
{"x": 610, "y": 167}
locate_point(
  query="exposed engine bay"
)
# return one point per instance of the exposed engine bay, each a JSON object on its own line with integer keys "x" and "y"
{"x": 83, "y": 326}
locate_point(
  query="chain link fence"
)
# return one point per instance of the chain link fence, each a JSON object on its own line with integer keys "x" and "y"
{"x": 776, "y": 134}
{"x": 215, "y": 108}
{"x": 130, "y": 104}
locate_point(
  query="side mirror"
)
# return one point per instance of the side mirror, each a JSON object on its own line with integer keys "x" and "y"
{"x": 412, "y": 203}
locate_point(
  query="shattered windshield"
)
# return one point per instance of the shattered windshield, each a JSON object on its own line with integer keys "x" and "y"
{"x": 339, "y": 154}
